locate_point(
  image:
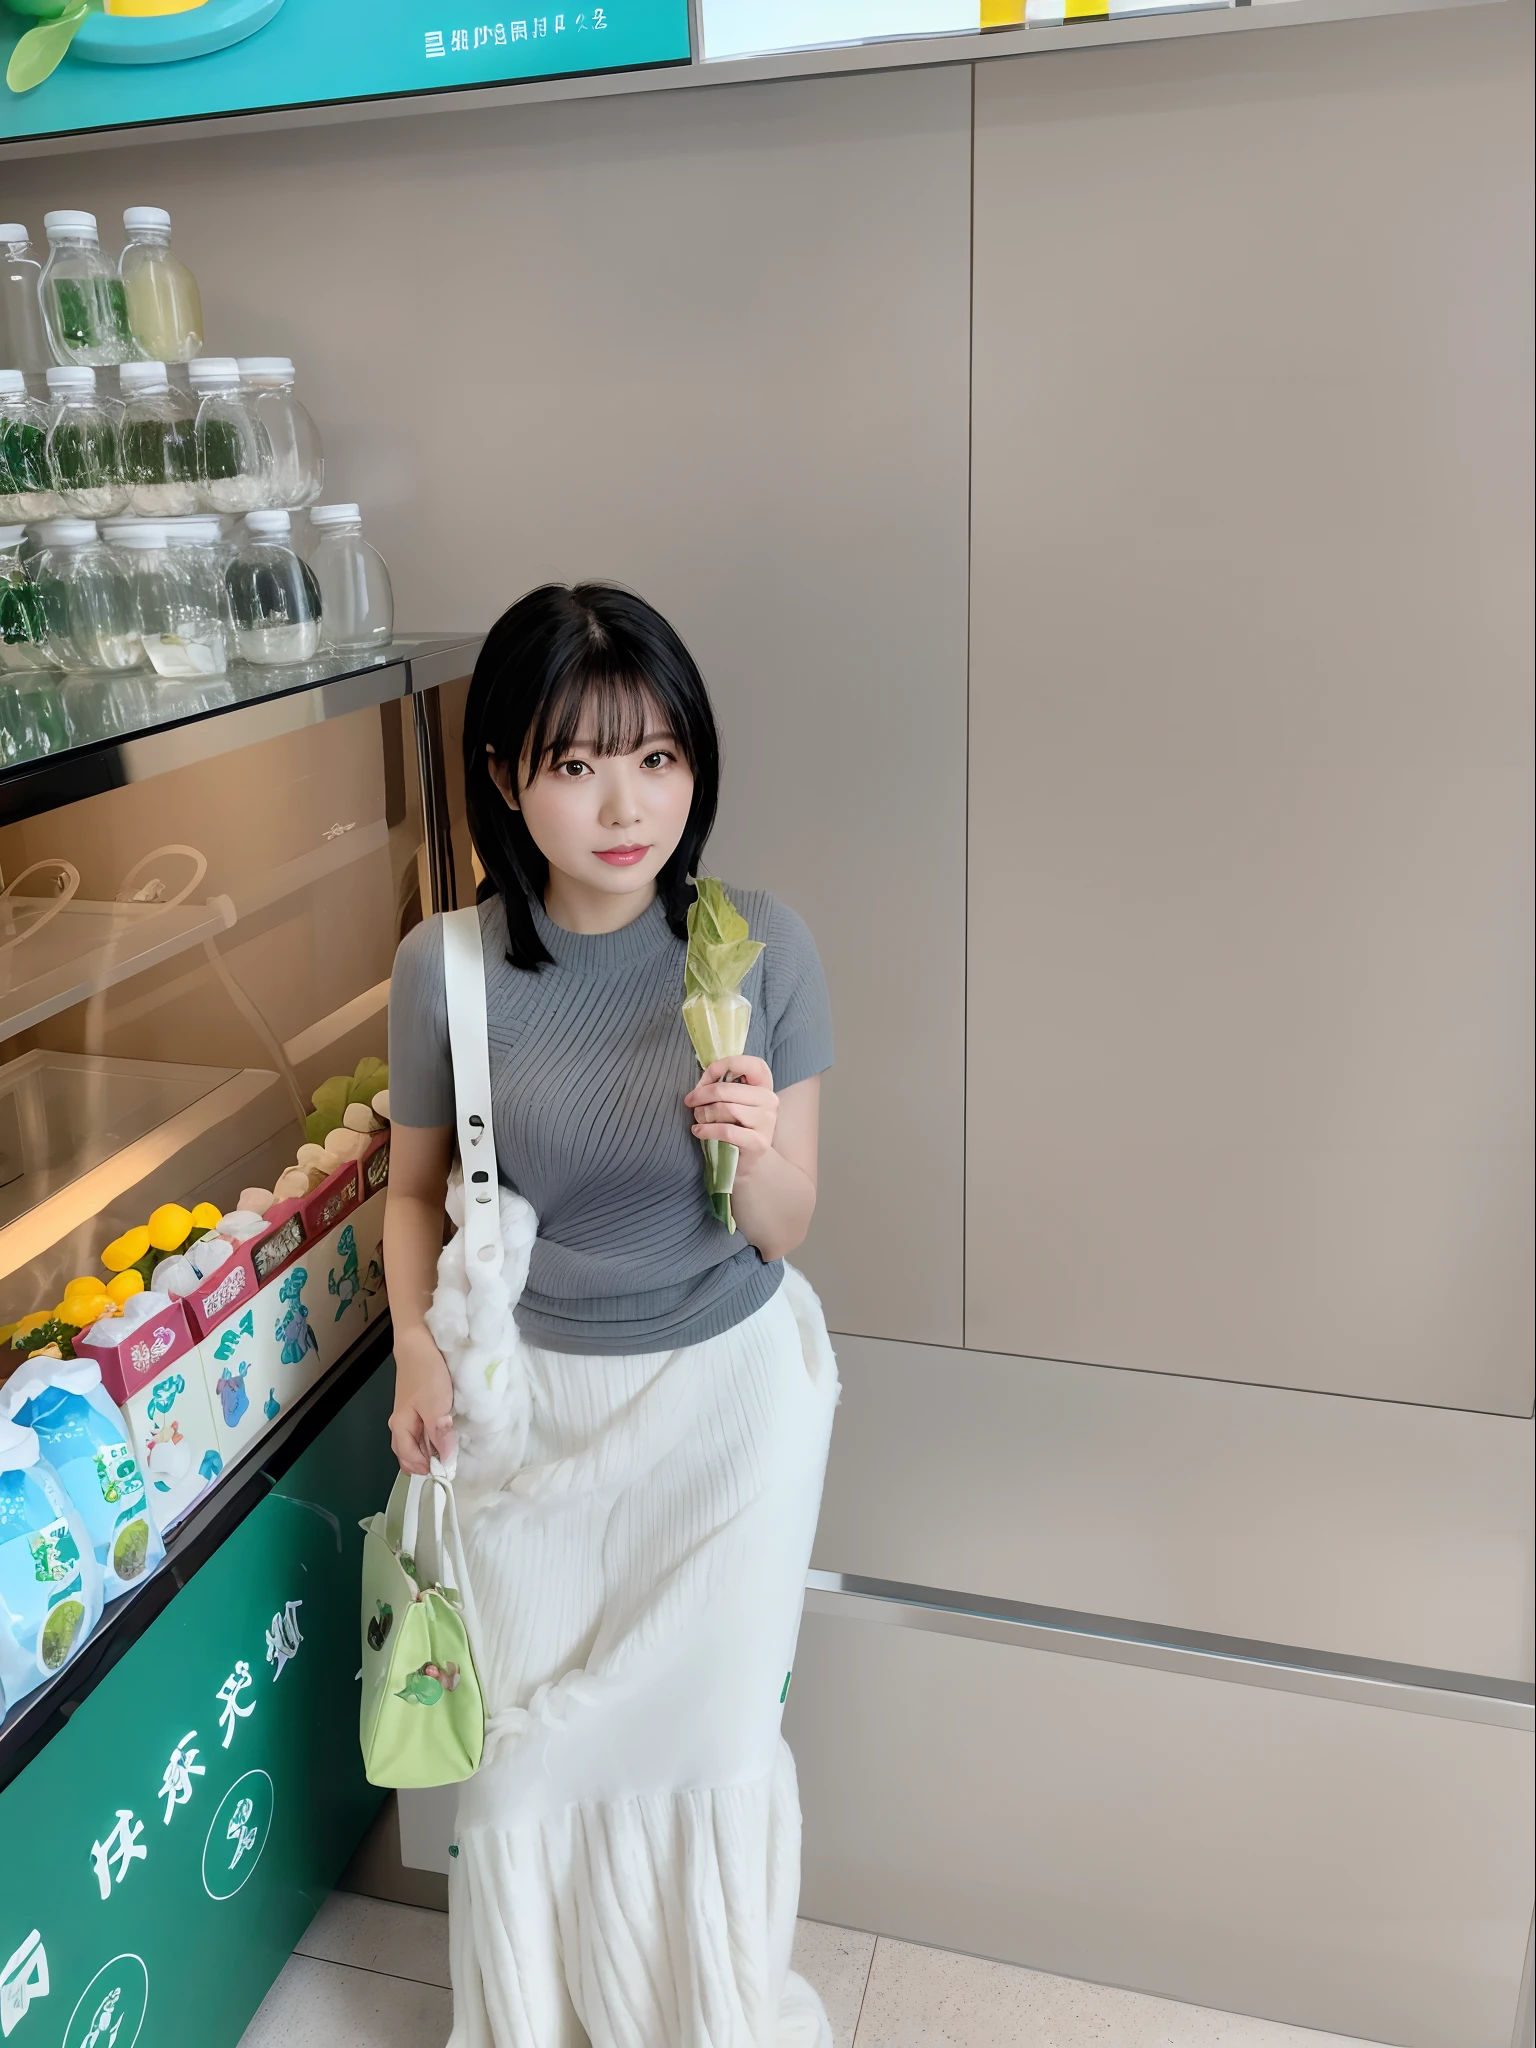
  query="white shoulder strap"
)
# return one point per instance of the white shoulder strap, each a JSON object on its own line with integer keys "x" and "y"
{"x": 464, "y": 980}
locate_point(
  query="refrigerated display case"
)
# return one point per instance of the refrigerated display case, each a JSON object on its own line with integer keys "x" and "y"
{"x": 201, "y": 893}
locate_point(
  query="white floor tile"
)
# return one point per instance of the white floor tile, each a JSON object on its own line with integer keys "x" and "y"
{"x": 835, "y": 1961}
{"x": 325, "y": 2005}
{"x": 374, "y": 1934}
{"x": 926, "y": 1998}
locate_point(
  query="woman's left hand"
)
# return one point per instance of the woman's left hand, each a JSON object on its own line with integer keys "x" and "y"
{"x": 742, "y": 1111}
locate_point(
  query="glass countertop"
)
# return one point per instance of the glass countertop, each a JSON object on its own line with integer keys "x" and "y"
{"x": 48, "y": 717}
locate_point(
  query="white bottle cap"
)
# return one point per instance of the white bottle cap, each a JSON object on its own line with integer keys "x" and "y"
{"x": 135, "y": 217}
{"x": 18, "y": 1446}
{"x": 142, "y": 376}
{"x": 13, "y": 231}
{"x": 333, "y": 515}
{"x": 71, "y": 377}
{"x": 66, "y": 533}
{"x": 266, "y": 366}
{"x": 138, "y": 533}
{"x": 10, "y": 535}
{"x": 197, "y": 530}
{"x": 68, "y": 222}
{"x": 268, "y": 525}
{"x": 213, "y": 370}
{"x": 11, "y": 381}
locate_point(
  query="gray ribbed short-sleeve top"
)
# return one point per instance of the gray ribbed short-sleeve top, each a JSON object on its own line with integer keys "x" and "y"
{"x": 589, "y": 1066}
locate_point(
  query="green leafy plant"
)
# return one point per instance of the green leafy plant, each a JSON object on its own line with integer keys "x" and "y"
{"x": 716, "y": 1013}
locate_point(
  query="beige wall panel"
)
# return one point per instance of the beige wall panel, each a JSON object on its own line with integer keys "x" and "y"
{"x": 1339, "y": 1867}
{"x": 714, "y": 345}
{"x": 1250, "y": 919}
{"x": 1366, "y": 1528}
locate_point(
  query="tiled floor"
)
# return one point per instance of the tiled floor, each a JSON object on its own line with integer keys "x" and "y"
{"x": 372, "y": 1975}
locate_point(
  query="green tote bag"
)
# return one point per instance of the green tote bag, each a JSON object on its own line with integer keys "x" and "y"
{"x": 423, "y": 1711}
{"x": 423, "y": 1714}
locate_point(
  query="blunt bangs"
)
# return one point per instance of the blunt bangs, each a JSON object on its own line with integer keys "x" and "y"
{"x": 589, "y": 662}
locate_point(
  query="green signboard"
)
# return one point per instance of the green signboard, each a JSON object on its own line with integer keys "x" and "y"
{"x": 164, "y": 1852}
{"x": 72, "y": 64}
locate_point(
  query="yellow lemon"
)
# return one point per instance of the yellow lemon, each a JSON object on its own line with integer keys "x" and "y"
{"x": 126, "y": 1250}
{"x": 206, "y": 1217}
{"x": 123, "y": 1285}
{"x": 168, "y": 1226}
{"x": 85, "y": 1300}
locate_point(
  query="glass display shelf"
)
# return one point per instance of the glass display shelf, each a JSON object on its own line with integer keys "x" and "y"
{"x": 63, "y": 737}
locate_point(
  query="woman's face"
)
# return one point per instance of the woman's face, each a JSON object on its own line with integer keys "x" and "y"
{"x": 605, "y": 822}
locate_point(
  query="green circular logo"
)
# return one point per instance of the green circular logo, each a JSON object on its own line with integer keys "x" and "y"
{"x": 111, "y": 2008}
{"x": 238, "y": 1835}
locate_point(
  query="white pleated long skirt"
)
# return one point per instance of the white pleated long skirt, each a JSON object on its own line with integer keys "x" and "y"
{"x": 626, "y": 1867}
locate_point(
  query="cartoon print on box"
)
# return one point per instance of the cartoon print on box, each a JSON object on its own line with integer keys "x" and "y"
{"x": 294, "y": 1334}
{"x": 230, "y": 1388}
{"x": 354, "y": 1279}
{"x": 344, "y": 1282}
{"x": 240, "y": 1366}
{"x": 170, "y": 1423}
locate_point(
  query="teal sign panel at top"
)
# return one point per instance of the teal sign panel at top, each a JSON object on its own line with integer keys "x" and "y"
{"x": 161, "y": 1856}
{"x": 124, "y": 70}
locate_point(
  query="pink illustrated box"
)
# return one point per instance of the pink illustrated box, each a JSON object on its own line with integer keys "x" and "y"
{"x": 335, "y": 1198}
{"x": 375, "y": 1166}
{"x": 241, "y": 1278}
{"x": 130, "y": 1360}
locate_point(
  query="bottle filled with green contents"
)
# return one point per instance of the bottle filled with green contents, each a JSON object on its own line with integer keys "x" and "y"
{"x": 21, "y": 609}
{"x": 85, "y": 450}
{"x": 26, "y": 484}
{"x": 234, "y": 455}
{"x": 159, "y": 443}
{"x": 89, "y": 620}
{"x": 85, "y": 307}
{"x": 165, "y": 307}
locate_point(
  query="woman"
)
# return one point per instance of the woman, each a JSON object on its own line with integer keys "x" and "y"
{"x": 643, "y": 1474}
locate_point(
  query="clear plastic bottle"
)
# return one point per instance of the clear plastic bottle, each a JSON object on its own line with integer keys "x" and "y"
{"x": 207, "y": 555}
{"x": 179, "y": 617}
{"x": 234, "y": 456}
{"x": 21, "y": 609}
{"x": 84, "y": 306}
{"x": 359, "y": 604}
{"x": 26, "y": 483}
{"x": 159, "y": 443}
{"x": 298, "y": 460}
{"x": 23, "y": 338}
{"x": 276, "y": 600}
{"x": 206, "y": 533}
{"x": 85, "y": 453}
{"x": 88, "y": 611}
{"x": 165, "y": 307}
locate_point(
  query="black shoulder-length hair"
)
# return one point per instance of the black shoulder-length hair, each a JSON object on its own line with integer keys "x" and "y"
{"x": 561, "y": 654}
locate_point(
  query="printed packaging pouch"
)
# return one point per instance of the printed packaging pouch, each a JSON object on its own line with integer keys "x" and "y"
{"x": 422, "y": 1720}
{"x": 82, "y": 1434}
{"x": 50, "y": 1583}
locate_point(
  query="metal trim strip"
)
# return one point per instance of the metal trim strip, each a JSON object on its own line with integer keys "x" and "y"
{"x": 1190, "y": 1653}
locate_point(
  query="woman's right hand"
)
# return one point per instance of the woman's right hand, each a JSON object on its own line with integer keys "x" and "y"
{"x": 421, "y": 1427}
